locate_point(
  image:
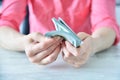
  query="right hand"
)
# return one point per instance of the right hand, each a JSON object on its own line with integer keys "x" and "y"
{"x": 42, "y": 50}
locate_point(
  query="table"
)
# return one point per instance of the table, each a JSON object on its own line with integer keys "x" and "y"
{"x": 102, "y": 66}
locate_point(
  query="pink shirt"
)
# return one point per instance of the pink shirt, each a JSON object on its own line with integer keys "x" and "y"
{"x": 80, "y": 15}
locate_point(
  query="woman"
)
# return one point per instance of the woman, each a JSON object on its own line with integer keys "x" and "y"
{"x": 93, "y": 21}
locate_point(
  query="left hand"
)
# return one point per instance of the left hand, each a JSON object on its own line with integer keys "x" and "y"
{"x": 78, "y": 56}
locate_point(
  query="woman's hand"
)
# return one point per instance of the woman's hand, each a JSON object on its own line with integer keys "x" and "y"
{"x": 78, "y": 56}
{"x": 101, "y": 39}
{"x": 42, "y": 50}
{"x": 38, "y": 48}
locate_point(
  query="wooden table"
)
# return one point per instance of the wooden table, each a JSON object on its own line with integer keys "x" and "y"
{"x": 102, "y": 66}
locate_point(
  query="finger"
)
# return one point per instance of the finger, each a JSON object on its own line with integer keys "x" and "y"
{"x": 51, "y": 58}
{"x": 37, "y": 48}
{"x": 73, "y": 50}
{"x": 87, "y": 46}
{"x": 82, "y": 60}
{"x": 82, "y": 35}
{"x": 85, "y": 56}
{"x": 68, "y": 57}
{"x": 29, "y": 49}
{"x": 65, "y": 51}
{"x": 72, "y": 60}
{"x": 38, "y": 57}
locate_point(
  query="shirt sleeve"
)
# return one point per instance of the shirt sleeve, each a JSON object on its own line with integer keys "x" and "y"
{"x": 103, "y": 15}
{"x": 12, "y": 13}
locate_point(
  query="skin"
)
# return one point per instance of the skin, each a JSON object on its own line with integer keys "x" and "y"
{"x": 101, "y": 39}
{"x": 38, "y": 48}
{"x": 41, "y": 50}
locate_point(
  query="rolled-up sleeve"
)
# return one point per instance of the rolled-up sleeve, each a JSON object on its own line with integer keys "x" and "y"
{"x": 103, "y": 15}
{"x": 12, "y": 13}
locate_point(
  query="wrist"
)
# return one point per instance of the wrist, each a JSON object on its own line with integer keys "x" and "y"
{"x": 103, "y": 38}
{"x": 96, "y": 44}
{"x": 16, "y": 44}
{"x": 23, "y": 42}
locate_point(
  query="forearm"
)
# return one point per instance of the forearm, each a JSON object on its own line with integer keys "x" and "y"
{"x": 103, "y": 38}
{"x": 11, "y": 39}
